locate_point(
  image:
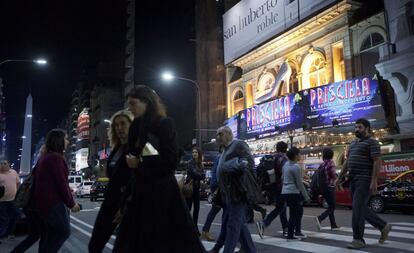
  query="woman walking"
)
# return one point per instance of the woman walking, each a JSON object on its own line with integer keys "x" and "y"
{"x": 195, "y": 173}
{"x": 52, "y": 194}
{"x": 328, "y": 188}
{"x": 118, "y": 173}
{"x": 294, "y": 191}
{"x": 156, "y": 217}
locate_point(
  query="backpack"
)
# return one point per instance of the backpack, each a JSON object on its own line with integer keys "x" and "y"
{"x": 265, "y": 171}
{"x": 24, "y": 193}
{"x": 318, "y": 180}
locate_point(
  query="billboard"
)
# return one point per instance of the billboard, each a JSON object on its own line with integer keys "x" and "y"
{"x": 81, "y": 159}
{"x": 394, "y": 164}
{"x": 252, "y": 22}
{"x": 341, "y": 102}
{"x": 83, "y": 125}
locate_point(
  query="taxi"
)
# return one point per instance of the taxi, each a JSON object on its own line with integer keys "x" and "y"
{"x": 397, "y": 193}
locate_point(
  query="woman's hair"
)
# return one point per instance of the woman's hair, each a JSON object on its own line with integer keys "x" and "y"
{"x": 55, "y": 140}
{"x": 292, "y": 153}
{"x": 327, "y": 154}
{"x": 155, "y": 107}
{"x": 113, "y": 138}
{"x": 200, "y": 157}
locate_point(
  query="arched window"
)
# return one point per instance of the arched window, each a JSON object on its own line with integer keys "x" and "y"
{"x": 313, "y": 70}
{"x": 372, "y": 40}
{"x": 293, "y": 79}
{"x": 369, "y": 53}
{"x": 238, "y": 101}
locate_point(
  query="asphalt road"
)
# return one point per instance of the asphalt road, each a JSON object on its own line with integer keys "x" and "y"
{"x": 326, "y": 241}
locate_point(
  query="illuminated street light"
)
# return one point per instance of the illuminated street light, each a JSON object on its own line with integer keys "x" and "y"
{"x": 29, "y": 115}
{"x": 40, "y": 61}
{"x": 23, "y": 137}
{"x": 37, "y": 61}
{"x": 167, "y": 76}
{"x": 107, "y": 121}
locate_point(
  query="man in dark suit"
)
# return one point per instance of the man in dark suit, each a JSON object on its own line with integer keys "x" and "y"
{"x": 235, "y": 159}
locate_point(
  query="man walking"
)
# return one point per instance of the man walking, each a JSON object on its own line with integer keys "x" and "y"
{"x": 280, "y": 209}
{"x": 8, "y": 210}
{"x": 235, "y": 160}
{"x": 363, "y": 165}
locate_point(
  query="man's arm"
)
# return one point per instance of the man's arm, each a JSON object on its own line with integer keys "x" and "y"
{"x": 375, "y": 171}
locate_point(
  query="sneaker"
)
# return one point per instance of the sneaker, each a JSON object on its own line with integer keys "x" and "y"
{"x": 293, "y": 239}
{"x": 260, "y": 228}
{"x": 318, "y": 223}
{"x": 384, "y": 233}
{"x": 207, "y": 236}
{"x": 356, "y": 244}
{"x": 264, "y": 212}
{"x": 300, "y": 235}
{"x": 335, "y": 228}
{"x": 285, "y": 232}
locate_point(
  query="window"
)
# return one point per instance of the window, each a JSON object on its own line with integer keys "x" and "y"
{"x": 71, "y": 180}
{"x": 78, "y": 180}
{"x": 374, "y": 39}
{"x": 313, "y": 70}
{"x": 238, "y": 102}
{"x": 338, "y": 62}
{"x": 293, "y": 79}
{"x": 249, "y": 95}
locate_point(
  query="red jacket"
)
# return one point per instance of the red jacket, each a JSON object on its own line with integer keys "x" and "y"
{"x": 51, "y": 183}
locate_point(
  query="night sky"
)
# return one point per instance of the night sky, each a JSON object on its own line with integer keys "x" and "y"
{"x": 74, "y": 36}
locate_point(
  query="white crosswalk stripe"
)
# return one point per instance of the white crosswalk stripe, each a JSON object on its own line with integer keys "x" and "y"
{"x": 369, "y": 241}
{"x": 326, "y": 241}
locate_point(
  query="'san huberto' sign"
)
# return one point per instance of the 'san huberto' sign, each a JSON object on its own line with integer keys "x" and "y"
{"x": 252, "y": 22}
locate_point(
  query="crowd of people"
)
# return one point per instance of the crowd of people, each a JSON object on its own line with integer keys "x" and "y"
{"x": 144, "y": 202}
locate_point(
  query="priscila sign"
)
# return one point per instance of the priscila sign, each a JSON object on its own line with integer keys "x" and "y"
{"x": 343, "y": 102}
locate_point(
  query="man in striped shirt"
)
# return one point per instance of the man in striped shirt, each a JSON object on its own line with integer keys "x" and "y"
{"x": 363, "y": 165}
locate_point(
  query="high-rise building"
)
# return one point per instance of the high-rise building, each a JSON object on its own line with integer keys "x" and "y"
{"x": 130, "y": 46}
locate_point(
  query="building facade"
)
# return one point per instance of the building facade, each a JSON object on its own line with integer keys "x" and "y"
{"x": 303, "y": 71}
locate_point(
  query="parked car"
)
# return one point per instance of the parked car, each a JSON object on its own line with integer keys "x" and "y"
{"x": 74, "y": 182}
{"x": 98, "y": 188}
{"x": 84, "y": 189}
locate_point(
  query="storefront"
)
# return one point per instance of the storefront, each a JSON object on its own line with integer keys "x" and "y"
{"x": 306, "y": 79}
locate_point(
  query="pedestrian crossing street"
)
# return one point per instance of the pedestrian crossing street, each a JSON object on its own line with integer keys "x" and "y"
{"x": 325, "y": 241}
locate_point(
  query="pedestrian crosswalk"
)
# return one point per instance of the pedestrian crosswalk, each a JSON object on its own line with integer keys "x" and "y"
{"x": 401, "y": 239}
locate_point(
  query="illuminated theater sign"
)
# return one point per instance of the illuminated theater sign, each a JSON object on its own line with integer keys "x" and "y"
{"x": 342, "y": 102}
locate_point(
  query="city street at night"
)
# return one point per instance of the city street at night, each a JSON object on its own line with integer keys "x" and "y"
{"x": 326, "y": 241}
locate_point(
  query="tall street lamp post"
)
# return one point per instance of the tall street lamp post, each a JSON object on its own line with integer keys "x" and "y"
{"x": 291, "y": 134}
{"x": 168, "y": 76}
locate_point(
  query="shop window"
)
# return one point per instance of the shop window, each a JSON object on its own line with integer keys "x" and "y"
{"x": 313, "y": 70}
{"x": 293, "y": 81}
{"x": 338, "y": 62}
{"x": 238, "y": 102}
{"x": 249, "y": 95}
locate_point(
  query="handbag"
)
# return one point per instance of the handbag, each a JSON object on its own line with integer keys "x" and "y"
{"x": 187, "y": 188}
{"x": 216, "y": 198}
{"x": 24, "y": 193}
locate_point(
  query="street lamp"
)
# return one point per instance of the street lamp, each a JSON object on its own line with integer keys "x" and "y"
{"x": 168, "y": 76}
{"x": 107, "y": 121}
{"x": 39, "y": 61}
{"x": 291, "y": 134}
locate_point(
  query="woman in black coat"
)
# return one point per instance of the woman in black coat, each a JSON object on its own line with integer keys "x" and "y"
{"x": 156, "y": 217}
{"x": 119, "y": 174}
{"x": 195, "y": 173}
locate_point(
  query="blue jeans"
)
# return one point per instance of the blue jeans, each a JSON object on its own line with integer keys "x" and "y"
{"x": 34, "y": 223}
{"x": 55, "y": 229}
{"x": 210, "y": 217}
{"x": 329, "y": 195}
{"x": 280, "y": 209}
{"x": 360, "y": 211}
{"x": 8, "y": 217}
{"x": 234, "y": 229}
{"x": 294, "y": 201}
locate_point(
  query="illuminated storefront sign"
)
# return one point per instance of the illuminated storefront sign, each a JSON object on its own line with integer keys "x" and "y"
{"x": 82, "y": 158}
{"x": 337, "y": 104}
{"x": 83, "y": 125}
{"x": 393, "y": 165}
{"x": 252, "y": 22}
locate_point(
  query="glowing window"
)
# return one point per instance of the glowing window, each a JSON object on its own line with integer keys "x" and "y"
{"x": 314, "y": 71}
{"x": 238, "y": 102}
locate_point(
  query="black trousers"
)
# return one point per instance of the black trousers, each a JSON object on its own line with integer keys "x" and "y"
{"x": 194, "y": 200}
{"x": 34, "y": 224}
{"x": 103, "y": 228}
{"x": 55, "y": 229}
{"x": 294, "y": 201}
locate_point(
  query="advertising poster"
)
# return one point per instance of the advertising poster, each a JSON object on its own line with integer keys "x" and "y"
{"x": 394, "y": 164}
{"x": 343, "y": 102}
{"x": 82, "y": 158}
